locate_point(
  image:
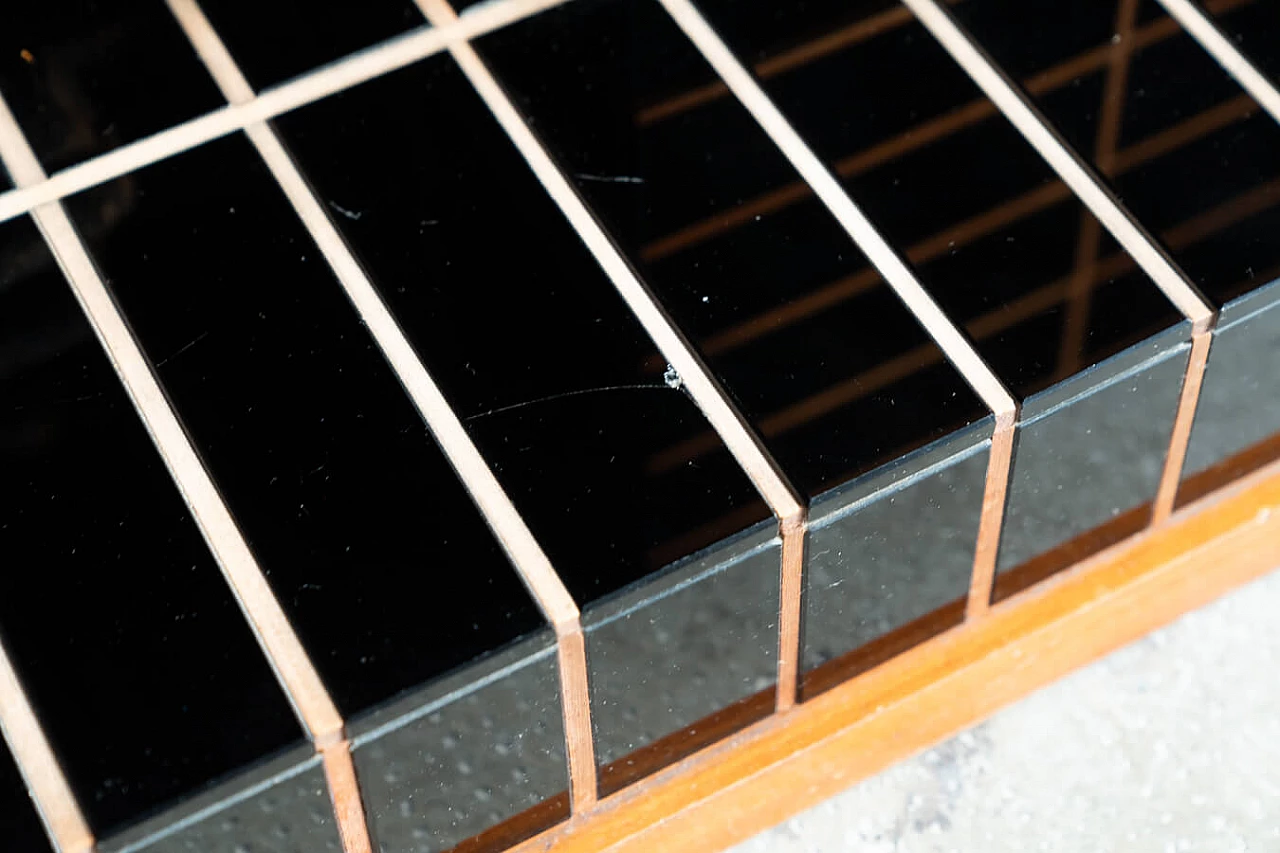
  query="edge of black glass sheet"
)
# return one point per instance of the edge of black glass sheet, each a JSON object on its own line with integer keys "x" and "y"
{"x": 898, "y": 543}
{"x": 1086, "y": 465}
{"x": 285, "y": 800}
{"x": 468, "y": 754}
{"x": 1237, "y": 422}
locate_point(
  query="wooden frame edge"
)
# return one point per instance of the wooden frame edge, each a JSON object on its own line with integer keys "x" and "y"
{"x": 792, "y": 761}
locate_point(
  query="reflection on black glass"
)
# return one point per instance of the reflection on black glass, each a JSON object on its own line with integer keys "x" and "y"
{"x": 830, "y": 368}
{"x": 1195, "y": 158}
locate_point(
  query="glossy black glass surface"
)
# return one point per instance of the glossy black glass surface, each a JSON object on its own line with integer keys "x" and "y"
{"x": 994, "y": 236}
{"x": 1195, "y": 158}
{"x": 136, "y": 659}
{"x": 273, "y": 40}
{"x": 20, "y": 826}
{"x": 377, "y": 555}
{"x": 1254, "y": 26}
{"x": 85, "y": 76}
{"x": 826, "y": 363}
{"x": 549, "y": 372}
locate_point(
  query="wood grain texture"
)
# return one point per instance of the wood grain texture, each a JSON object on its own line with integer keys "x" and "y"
{"x": 793, "y": 760}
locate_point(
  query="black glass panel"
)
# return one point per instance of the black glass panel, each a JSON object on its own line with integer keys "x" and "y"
{"x": 828, "y": 366}
{"x": 525, "y": 334}
{"x": 995, "y": 237}
{"x": 375, "y": 551}
{"x": 83, "y": 77}
{"x": 274, "y": 40}
{"x": 1196, "y": 159}
{"x": 136, "y": 659}
{"x": 19, "y": 823}
{"x": 1254, "y": 26}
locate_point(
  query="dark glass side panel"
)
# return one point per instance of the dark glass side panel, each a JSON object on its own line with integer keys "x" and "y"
{"x": 376, "y": 553}
{"x": 20, "y": 825}
{"x": 474, "y": 759}
{"x": 819, "y": 354}
{"x": 527, "y": 337}
{"x": 875, "y": 584}
{"x": 135, "y": 657}
{"x": 994, "y": 236}
{"x": 274, "y": 40}
{"x": 1196, "y": 159}
{"x": 283, "y": 807}
{"x": 682, "y": 662}
{"x": 1085, "y": 472}
{"x": 1237, "y": 423}
{"x": 83, "y": 77}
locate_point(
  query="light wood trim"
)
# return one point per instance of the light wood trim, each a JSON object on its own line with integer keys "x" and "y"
{"x": 991, "y": 521}
{"x": 790, "y": 601}
{"x": 344, "y": 794}
{"x": 787, "y": 763}
{"x": 1180, "y": 439}
{"x": 575, "y": 707}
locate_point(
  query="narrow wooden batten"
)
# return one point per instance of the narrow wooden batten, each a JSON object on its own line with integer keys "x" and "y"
{"x": 1188, "y": 400}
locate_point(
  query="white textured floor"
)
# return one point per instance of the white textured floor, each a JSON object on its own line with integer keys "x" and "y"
{"x": 1169, "y": 745}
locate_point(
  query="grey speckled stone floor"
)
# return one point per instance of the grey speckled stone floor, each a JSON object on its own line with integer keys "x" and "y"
{"x": 1169, "y": 745}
